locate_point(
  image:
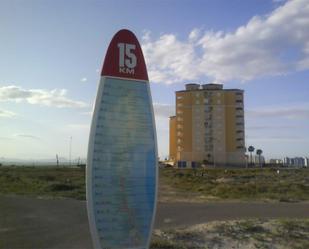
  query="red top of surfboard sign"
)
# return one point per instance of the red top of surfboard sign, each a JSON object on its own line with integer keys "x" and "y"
{"x": 124, "y": 57}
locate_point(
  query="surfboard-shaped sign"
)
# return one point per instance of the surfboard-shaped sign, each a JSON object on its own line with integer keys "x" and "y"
{"x": 122, "y": 153}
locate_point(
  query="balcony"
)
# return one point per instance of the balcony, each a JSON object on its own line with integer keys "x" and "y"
{"x": 207, "y": 94}
{"x": 238, "y": 105}
{"x": 208, "y": 116}
{"x": 208, "y": 133}
{"x": 208, "y": 143}
{"x": 208, "y": 109}
{"x": 209, "y": 148}
{"x": 208, "y": 124}
{"x": 240, "y": 112}
{"x": 240, "y": 124}
{"x": 208, "y": 130}
{"x": 240, "y": 143}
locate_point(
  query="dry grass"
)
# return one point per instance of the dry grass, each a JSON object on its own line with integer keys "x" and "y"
{"x": 234, "y": 184}
{"x": 241, "y": 234}
{"x": 43, "y": 181}
{"x": 174, "y": 184}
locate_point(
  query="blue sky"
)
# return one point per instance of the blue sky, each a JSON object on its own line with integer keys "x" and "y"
{"x": 51, "y": 53}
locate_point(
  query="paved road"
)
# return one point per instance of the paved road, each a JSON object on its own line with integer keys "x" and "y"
{"x": 62, "y": 224}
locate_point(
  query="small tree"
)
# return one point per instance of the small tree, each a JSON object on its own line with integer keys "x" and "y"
{"x": 251, "y": 149}
{"x": 259, "y": 153}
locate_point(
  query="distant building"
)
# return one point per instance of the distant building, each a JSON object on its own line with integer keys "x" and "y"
{"x": 275, "y": 161}
{"x": 286, "y": 161}
{"x": 208, "y": 126}
{"x": 295, "y": 162}
{"x": 299, "y": 161}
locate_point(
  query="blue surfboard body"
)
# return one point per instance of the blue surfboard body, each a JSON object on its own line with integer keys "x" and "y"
{"x": 122, "y": 165}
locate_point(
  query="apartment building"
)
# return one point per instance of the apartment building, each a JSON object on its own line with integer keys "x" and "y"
{"x": 208, "y": 126}
{"x": 296, "y": 162}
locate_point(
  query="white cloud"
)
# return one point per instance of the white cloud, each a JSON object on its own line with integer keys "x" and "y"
{"x": 7, "y": 114}
{"x": 55, "y": 97}
{"x": 278, "y": 139}
{"x": 84, "y": 79}
{"x": 163, "y": 110}
{"x": 275, "y": 44}
{"x": 162, "y": 113}
{"x": 27, "y": 136}
{"x": 87, "y": 113}
{"x": 169, "y": 59}
{"x": 5, "y": 138}
{"x": 194, "y": 34}
{"x": 162, "y": 128}
{"x": 271, "y": 127}
{"x": 297, "y": 112}
{"x": 79, "y": 126}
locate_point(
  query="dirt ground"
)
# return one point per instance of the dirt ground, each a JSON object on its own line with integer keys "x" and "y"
{"x": 34, "y": 223}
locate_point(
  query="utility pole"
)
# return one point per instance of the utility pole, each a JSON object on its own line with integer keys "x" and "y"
{"x": 70, "y": 150}
{"x": 213, "y": 152}
{"x": 57, "y": 160}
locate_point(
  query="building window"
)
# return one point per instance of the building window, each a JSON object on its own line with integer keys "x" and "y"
{"x": 179, "y": 97}
{"x": 239, "y": 108}
{"x": 208, "y": 108}
{"x": 207, "y": 94}
{"x": 179, "y": 104}
{"x": 179, "y": 112}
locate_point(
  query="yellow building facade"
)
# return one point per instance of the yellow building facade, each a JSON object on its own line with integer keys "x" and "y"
{"x": 208, "y": 126}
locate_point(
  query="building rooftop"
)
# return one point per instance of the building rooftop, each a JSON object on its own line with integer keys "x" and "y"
{"x": 208, "y": 87}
